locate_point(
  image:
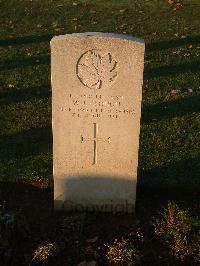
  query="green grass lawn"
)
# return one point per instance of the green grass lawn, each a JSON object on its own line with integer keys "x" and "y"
{"x": 170, "y": 125}
{"x": 169, "y": 156}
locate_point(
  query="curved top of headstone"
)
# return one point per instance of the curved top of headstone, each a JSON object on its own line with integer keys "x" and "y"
{"x": 101, "y": 34}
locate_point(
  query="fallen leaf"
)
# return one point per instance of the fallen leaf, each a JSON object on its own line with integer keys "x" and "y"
{"x": 11, "y": 86}
{"x": 174, "y": 91}
{"x": 89, "y": 249}
{"x": 85, "y": 263}
{"x": 177, "y": 6}
{"x": 170, "y": 2}
{"x": 178, "y": 141}
{"x": 54, "y": 24}
{"x": 92, "y": 240}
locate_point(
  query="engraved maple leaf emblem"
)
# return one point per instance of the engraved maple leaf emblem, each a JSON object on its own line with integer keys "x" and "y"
{"x": 95, "y": 69}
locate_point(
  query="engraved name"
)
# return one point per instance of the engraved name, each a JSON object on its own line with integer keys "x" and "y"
{"x": 96, "y": 106}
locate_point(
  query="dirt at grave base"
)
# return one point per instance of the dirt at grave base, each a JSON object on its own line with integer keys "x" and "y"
{"x": 71, "y": 231}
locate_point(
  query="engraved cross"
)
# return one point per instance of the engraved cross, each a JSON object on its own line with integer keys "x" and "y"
{"x": 95, "y": 139}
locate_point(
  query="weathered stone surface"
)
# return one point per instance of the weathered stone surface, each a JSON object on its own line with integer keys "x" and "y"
{"x": 97, "y": 92}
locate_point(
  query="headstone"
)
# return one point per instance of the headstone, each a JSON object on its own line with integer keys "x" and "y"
{"x": 97, "y": 92}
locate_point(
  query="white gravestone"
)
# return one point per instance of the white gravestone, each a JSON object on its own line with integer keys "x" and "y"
{"x": 97, "y": 91}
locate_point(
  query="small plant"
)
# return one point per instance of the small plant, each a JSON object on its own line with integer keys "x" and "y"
{"x": 13, "y": 225}
{"x": 13, "y": 229}
{"x": 44, "y": 252}
{"x": 122, "y": 252}
{"x": 179, "y": 232}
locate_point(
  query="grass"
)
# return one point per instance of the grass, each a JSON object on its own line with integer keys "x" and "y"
{"x": 170, "y": 114}
{"x": 169, "y": 157}
{"x": 179, "y": 232}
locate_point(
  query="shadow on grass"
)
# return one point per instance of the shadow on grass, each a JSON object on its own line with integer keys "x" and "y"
{"x": 167, "y": 110}
{"x": 25, "y": 143}
{"x": 178, "y": 182}
{"x": 149, "y": 46}
{"x": 26, "y": 40}
{"x": 32, "y": 61}
{"x": 18, "y": 195}
{"x": 184, "y": 174}
{"x": 155, "y": 46}
{"x": 172, "y": 70}
{"x": 38, "y": 92}
{"x": 36, "y": 206}
{"x": 148, "y": 73}
{"x": 66, "y": 228}
{"x": 150, "y": 113}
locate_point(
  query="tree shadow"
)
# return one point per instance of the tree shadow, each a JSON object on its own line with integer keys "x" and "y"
{"x": 182, "y": 174}
{"x": 37, "y": 206}
{"x": 170, "y": 109}
{"x": 26, "y": 40}
{"x": 25, "y": 143}
{"x": 156, "y": 46}
{"x": 23, "y": 196}
{"x": 24, "y": 62}
{"x": 148, "y": 74}
{"x": 39, "y": 92}
{"x": 149, "y": 46}
{"x": 178, "y": 182}
{"x": 172, "y": 70}
{"x": 33, "y": 208}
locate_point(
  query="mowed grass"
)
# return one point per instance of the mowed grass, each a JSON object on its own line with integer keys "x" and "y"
{"x": 169, "y": 153}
